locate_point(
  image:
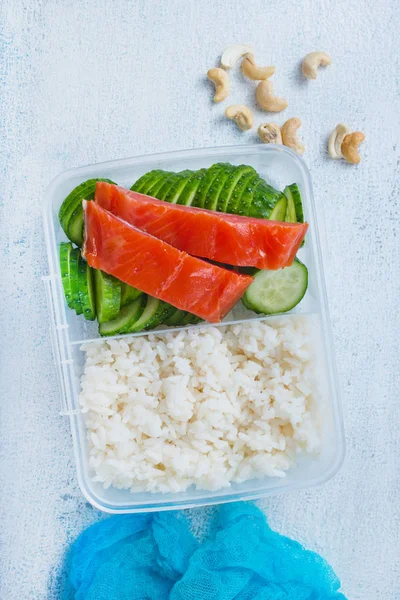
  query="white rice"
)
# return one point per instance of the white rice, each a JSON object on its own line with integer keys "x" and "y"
{"x": 203, "y": 407}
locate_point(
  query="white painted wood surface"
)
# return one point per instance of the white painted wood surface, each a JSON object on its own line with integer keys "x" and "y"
{"x": 91, "y": 80}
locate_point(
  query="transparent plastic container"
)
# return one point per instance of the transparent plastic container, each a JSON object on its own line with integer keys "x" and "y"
{"x": 280, "y": 167}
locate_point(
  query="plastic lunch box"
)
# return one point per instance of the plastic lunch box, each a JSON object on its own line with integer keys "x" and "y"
{"x": 280, "y": 167}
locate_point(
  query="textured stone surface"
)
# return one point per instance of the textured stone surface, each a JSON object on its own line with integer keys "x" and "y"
{"x": 91, "y": 80}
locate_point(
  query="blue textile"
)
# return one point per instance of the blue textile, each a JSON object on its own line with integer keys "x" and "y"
{"x": 155, "y": 557}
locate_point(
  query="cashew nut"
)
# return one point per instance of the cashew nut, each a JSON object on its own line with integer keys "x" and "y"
{"x": 270, "y": 133}
{"x": 242, "y": 116}
{"x": 267, "y": 100}
{"x": 335, "y": 140}
{"x": 312, "y": 61}
{"x": 220, "y": 79}
{"x": 350, "y": 147}
{"x": 289, "y": 135}
{"x": 252, "y": 71}
{"x": 232, "y": 54}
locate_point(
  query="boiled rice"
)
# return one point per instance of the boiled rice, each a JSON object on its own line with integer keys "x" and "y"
{"x": 204, "y": 407}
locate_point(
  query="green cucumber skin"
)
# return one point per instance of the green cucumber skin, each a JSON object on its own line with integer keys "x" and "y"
{"x": 202, "y": 191}
{"x": 175, "y": 318}
{"x": 293, "y": 191}
{"x": 258, "y": 305}
{"x": 177, "y": 188}
{"x": 217, "y": 186}
{"x": 264, "y": 201}
{"x": 65, "y": 266}
{"x": 188, "y": 193}
{"x": 86, "y": 290}
{"x": 247, "y": 196}
{"x": 74, "y": 276}
{"x": 151, "y": 313}
{"x": 235, "y": 202}
{"x": 128, "y": 294}
{"x": 70, "y": 214}
{"x": 155, "y": 186}
{"x": 126, "y": 317}
{"x": 227, "y": 198}
{"x": 169, "y": 181}
{"x": 108, "y": 296}
{"x": 144, "y": 179}
{"x": 278, "y": 213}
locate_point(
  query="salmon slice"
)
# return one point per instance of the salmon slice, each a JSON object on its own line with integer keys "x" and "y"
{"x": 154, "y": 267}
{"x": 224, "y": 238}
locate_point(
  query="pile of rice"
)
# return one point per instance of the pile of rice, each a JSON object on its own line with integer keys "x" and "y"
{"x": 203, "y": 407}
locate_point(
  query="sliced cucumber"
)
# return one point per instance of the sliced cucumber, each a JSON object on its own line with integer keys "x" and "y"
{"x": 189, "y": 191}
{"x": 176, "y": 318}
{"x": 277, "y": 291}
{"x": 226, "y": 195}
{"x": 65, "y": 259}
{"x": 155, "y": 186}
{"x": 86, "y": 290}
{"x": 292, "y": 191}
{"x": 278, "y": 213}
{"x": 234, "y": 205}
{"x": 108, "y": 296}
{"x": 164, "y": 311}
{"x": 144, "y": 180}
{"x": 206, "y": 182}
{"x": 74, "y": 278}
{"x": 215, "y": 190}
{"x": 128, "y": 294}
{"x": 178, "y": 186}
{"x": 150, "y": 317}
{"x": 247, "y": 196}
{"x": 169, "y": 181}
{"x": 126, "y": 316}
{"x": 290, "y": 216}
{"x": 169, "y": 311}
{"x": 265, "y": 198}
{"x": 71, "y": 213}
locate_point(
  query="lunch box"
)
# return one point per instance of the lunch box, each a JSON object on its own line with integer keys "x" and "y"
{"x": 279, "y": 166}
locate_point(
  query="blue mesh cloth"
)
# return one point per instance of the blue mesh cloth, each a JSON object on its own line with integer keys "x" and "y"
{"x": 155, "y": 557}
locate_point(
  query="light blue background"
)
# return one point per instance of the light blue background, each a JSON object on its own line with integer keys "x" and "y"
{"x": 92, "y": 80}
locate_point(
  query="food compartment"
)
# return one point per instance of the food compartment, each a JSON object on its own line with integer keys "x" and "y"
{"x": 280, "y": 167}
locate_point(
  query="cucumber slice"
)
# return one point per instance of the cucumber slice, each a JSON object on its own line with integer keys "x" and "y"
{"x": 189, "y": 191}
{"x": 290, "y": 216}
{"x": 108, "y": 296}
{"x": 86, "y": 290}
{"x": 128, "y": 294}
{"x": 264, "y": 201}
{"x": 164, "y": 311}
{"x": 74, "y": 278}
{"x": 65, "y": 258}
{"x": 240, "y": 188}
{"x": 144, "y": 180}
{"x": 175, "y": 191}
{"x": 278, "y": 213}
{"x": 149, "y": 318}
{"x": 277, "y": 291}
{"x": 247, "y": 196}
{"x": 176, "y": 317}
{"x": 126, "y": 316}
{"x": 215, "y": 189}
{"x": 71, "y": 213}
{"x": 167, "y": 185}
{"x": 206, "y": 182}
{"x": 292, "y": 191}
{"x": 224, "y": 202}
{"x": 155, "y": 186}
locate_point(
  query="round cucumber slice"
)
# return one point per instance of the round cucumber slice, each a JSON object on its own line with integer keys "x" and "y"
{"x": 126, "y": 316}
{"x": 86, "y": 290}
{"x": 65, "y": 258}
{"x": 277, "y": 291}
{"x": 108, "y": 296}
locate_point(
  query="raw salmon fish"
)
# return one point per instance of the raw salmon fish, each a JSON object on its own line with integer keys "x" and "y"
{"x": 154, "y": 267}
{"x": 224, "y": 238}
